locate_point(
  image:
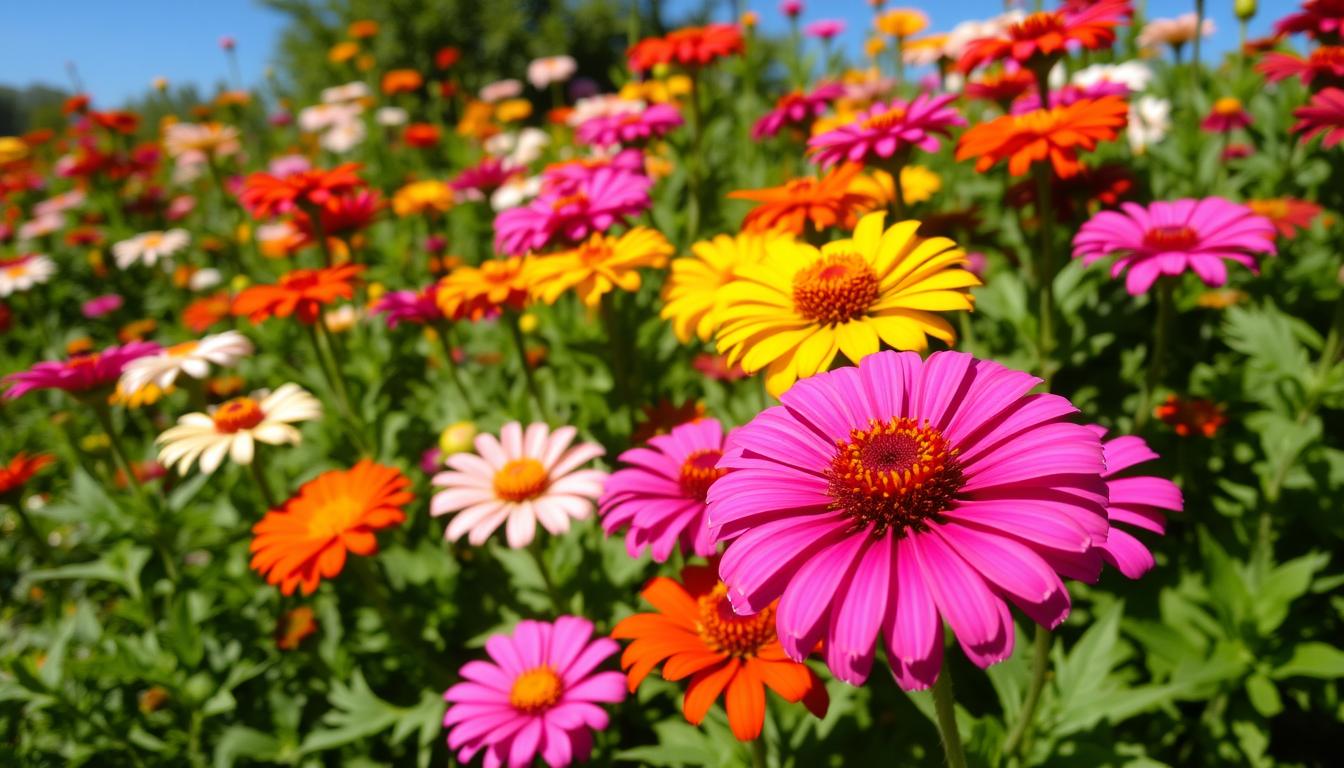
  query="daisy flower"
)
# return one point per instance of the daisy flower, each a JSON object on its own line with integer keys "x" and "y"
{"x": 1136, "y": 501}
{"x": 19, "y": 470}
{"x": 1045, "y": 36}
{"x": 1174, "y": 32}
{"x": 1322, "y": 20}
{"x": 548, "y": 70}
{"x": 807, "y": 201}
{"x": 1323, "y": 114}
{"x": 692, "y": 297}
{"x": 265, "y": 195}
{"x": 416, "y": 307}
{"x": 519, "y": 478}
{"x": 482, "y": 179}
{"x": 538, "y": 695}
{"x": 696, "y": 634}
{"x": 634, "y": 128}
{"x": 887, "y": 498}
{"x": 190, "y": 357}
{"x": 1226, "y": 116}
{"x": 148, "y": 247}
{"x": 660, "y": 496}
{"x": 202, "y": 140}
{"x": 793, "y": 312}
{"x": 21, "y": 273}
{"x": 1191, "y": 415}
{"x": 1287, "y": 214}
{"x": 206, "y": 311}
{"x": 595, "y": 204}
{"x": 887, "y": 129}
{"x": 80, "y": 373}
{"x": 797, "y": 109}
{"x": 688, "y": 47}
{"x": 233, "y": 428}
{"x": 1055, "y": 134}
{"x": 300, "y": 292}
{"x": 1168, "y": 238}
{"x": 336, "y": 513}
{"x": 1325, "y": 63}
{"x": 598, "y": 265}
{"x": 474, "y": 293}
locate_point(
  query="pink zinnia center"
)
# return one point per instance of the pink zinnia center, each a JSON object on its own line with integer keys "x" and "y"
{"x": 722, "y": 629}
{"x": 536, "y": 690}
{"x": 835, "y": 289}
{"x": 576, "y": 199}
{"x": 1170, "y": 238}
{"x": 698, "y": 472}
{"x": 1227, "y": 106}
{"x": 895, "y": 476}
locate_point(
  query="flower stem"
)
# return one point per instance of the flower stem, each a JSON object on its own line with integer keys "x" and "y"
{"x": 1158, "y": 354}
{"x": 444, "y": 332}
{"x": 693, "y": 169}
{"x": 760, "y": 752}
{"x": 374, "y": 587}
{"x": 1045, "y": 273}
{"x": 1040, "y": 665}
{"x": 104, "y": 414}
{"x": 945, "y": 709}
{"x": 539, "y": 557}
{"x": 259, "y": 477}
{"x": 516, "y": 330}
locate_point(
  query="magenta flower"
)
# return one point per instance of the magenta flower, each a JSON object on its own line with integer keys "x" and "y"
{"x": 1063, "y": 97}
{"x": 569, "y": 177}
{"x": 597, "y": 202}
{"x": 1323, "y": 114}
{"x": 889, "y": 497}
{"x": 101, "y": 305}
{"x": 538, "y": 695}
{"x": 886, "y": 129}
{"x": 80, "y": 373}
{"x": 824, "y": 29}
{"x": 1169, "y": 238}
{"x": 485, "y": 177}
{"x": 791, "y": 8}
{"x": 1227, "y": 115}
{"x": 797, "y": 109}
{"x": 417, "y": 307}
{"x": 661, "y": 496}
{"x": 1135, "y": 501}
{"x": 631, "y": 128}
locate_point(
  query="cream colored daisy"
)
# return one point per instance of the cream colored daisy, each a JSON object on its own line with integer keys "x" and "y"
{"x": 191, "y": 357}
{"x": 148, "y": 247}
{"x": 23, "y": 272}
{"x": 234, "y": 428}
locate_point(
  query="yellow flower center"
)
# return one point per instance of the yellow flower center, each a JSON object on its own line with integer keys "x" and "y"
{"x": 1037, "y": 25}
{"x": 1227, "y": 106}
{"x": 520, "y": 480}
{"x": 16, "y": 270}
{"x": 183, "y": 349}
{"x": 594, "y": 252}
{"x": 152, "y": 240}
{"x": 1170, "y": 238}
{"x": 894, "y": 476}
{"x": 725, "y": 631}
{"x": 698, "y": 472}
{"x": 835, "y": 289}
{"x": 884, "y": 121}
{"x": 333, "y": 518}
{"x": 1327, "y": 56}
{"x": 536, "y": 690}
{"x": 238, "y": 414}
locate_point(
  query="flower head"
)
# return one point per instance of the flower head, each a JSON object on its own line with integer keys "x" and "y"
{"x": 819, "y": 202}
{"x": 886, "y": 130}
{"x": 201, "y": 140}
{"x": 692, "y": 294}
{"x": 423, "y": 197}
{"x": 1191, "y": 415}
{"x": 797, "y": 109}
{"x": 689, "y": 47}
{"x": 1323, "y": 65}
{"x": 598, "y": 265}
{"x": 1136, "y": 501}
{"x": 300, "y": 292}
{"x": 148, "y": 247}
{"x": 21, "y": 273}
{"x": 20, "y": 469}
{"x": 1174, "y": 32}
{"x": 824, "y": 29}
{"x": 336, "y": 513}
{"x": 485, "y": 177}
{"x": 1323, "y": 114}
{"x": 901, "y": 23}
{"x": 1320, "y": 19}
{"x": 416, "y": 307}
{"x": 233, "y": 428}
{"x": 206, "y": 311}
{"x": 80, "y": 373}
{"x": 544, "y": 72}
{"x": 192, "y": 358}
{"x": 1226, "y": 115}
{"x": 1055, "y": 134}
{"x": 477, "y": 292}
{"x": 631, "y": 128}
{"x": 596, "y": 203}
{"x": 265, "y": 195}
{"x": 1287, "y": 214}
{"x": 1044, "y": 36}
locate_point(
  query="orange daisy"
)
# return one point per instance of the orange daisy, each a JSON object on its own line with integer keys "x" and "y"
{"x": 695, "y": 633}
{"x": 301, "y": 292}
{"x": 1041, "y": 38}
{"x": 204, "y": 312}
{"x": 1054, "y": 134}
{"x": 20, "y": 470}
{"x": 265, "y": 195}
{"x": 689, "y": 47}
{"x": 306, "y": 539}
{"x": 1191, "y": 415}
{"x": 825, "y": 202}
{"x": 401, "y": 81}
{"x": 476, "y": 292}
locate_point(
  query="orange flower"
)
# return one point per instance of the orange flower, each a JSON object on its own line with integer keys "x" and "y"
{"x": 294, "y": 626}
{"x": 1054, "y": 134}
{"x": 1288, "y": 214}
{"x": 306, "y": 539}
{"x": 363, "y": 28}
{"x": 266, "y": 195}
{"x": 401, "y": 81}
{"x": 300, "y": 292}
{"x": 421, "y": 135}
{"x": 206, "y": 311}
{"x": 689, "y": 47}
{"x": 1188, "y": 416}
{"x": 343, "y": 52}
{"x": 697, "y": 634}
{"x": 20, "y": 470}
{"x": 1041, "y": 38}
{"x": 825, "y": 202}
{"x": 476, "y": 292}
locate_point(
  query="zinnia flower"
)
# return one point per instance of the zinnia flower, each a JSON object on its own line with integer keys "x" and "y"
{"x": 300, "y": 292}
{"x": 1174, "y": 32}
{"x": 81, "y": 373}
{"x": 1287, "y": 214}
{"x": 886, "y": 130}
{"x": 101, "y": 305}
{"x": 265, "y": 195}
{"x": 821, "y": 203}
{"x": 599, "y": 201}
{"x": 1054, "y": 134}
{"x": 689, "y": 47}
{"x": 417, "y": 307}
{"x": 190, "y": 357}
{"x": 485, "y": 177}
{"x": 692, "y": 295}
{"x": 338, "y": 512}
{"x": 148, "y": 247}
{"x": 797, "y": 109}
{"x": 1321, "y": 19}
{"x": 420, "y": 197}
{"x": 19, "y": 470}
{"x": 1168, "y": 238}
{"x": 519, "y": 478}
{"x": 537, "y": 695}
{"x": 901, "y": 23}
{"x": 1134, "y": 500}
{"x": 477, "y": 292}
{"x": 1326, "y": 63}
{"x": 1226, "y": 116}
{"x": 597, "y": 265}
{"x": 631, "y": 129}
{"x": 1191, "y": 415}
{"x": 660, "y": 496}
{"x": 23, "y": 272}
{"x": 696, "y": 634}
{"x": 233, "y": 428}
{"x": 202, "y": 140}
{"x": 792, "y": 312}
{"x": 1323, "y": 114}
{"x": 206, "y": 311}
{"x": 1043, "y": 37}
{"x": 890, "y": 497}
{"x": 543, "y": 72}
{"x": 824, "y": 29}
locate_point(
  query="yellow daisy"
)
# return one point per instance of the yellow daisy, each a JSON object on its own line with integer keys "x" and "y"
{"x": 691, "y": 295}
{"x": 792, "y": 312}
{"x": 597, "y": 265}
{"x": 917, "y": 182}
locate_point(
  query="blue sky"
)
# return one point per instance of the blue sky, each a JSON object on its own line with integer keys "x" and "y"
{"x": 120, "y": 46}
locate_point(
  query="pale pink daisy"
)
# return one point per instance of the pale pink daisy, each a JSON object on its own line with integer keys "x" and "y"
{"x": 886, "y": 129}
{"x": 1135, "y": 501}
{"x": 543, "y": 72}
{"x": 192, "y": 358}
{"x": 21, "y": 273}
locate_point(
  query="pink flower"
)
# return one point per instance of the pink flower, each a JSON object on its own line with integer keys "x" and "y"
{"x": 824, "y": 29}
{"x": 886, "y": 498}
{"x": 485, "y": 177}
{"x": 797, "y": 109}
{"x": 1063, "y": 97}
{"x": 886, "y": 129}
{"x": 1135, "y": 501}
{"x": 1325, "y": 63}
{"x": 431, "y": 460}
{"x": 568, "y": 177}
{"x": 1226, "y": 116}
{"x": 227, "y": 42}
{"x": 288, "y": 165}
{"x": 180, "y": 207}
{"x": 101, "y": 305}
{"x": 635, "y": 128}
{"x": 80, "y": 373}
{"x": 1323, "y": 114}
{"x": 601, "y": 199}
{"x": 1321, "y": 19}
{"x": 417, "y": 307}
{"x": 521, "y": 478}
{"x": 1167, "y": 238}
{"x": 538, "y": 695}
{"x": 661, "y": 496}
{"x": 791, "y": 8}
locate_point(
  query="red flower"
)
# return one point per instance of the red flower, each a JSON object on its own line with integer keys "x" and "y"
{"x": 689, "y": 47}
{"x": 446, "y": 57}
{"x": 301, "y": 292}
{"x": 1053, "y": 134}
{"x": 1002, "y": 87}
{"x": 266, "y": 195}
{"x": 1325, "y": 63}
{"x": 117, "y": 121}
{"x": 1045, "y": 36}
{"x": 1321, "y": 19}
{"x": 20, "y": 470}
{"x": 1188, "y": 416}
{"x": 421, "y": 135}
{"x": 1288, "y": 214}
{"x": 1323, "y": 114}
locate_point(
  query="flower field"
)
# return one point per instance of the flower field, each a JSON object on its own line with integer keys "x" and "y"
{"x": 696, "y": 395}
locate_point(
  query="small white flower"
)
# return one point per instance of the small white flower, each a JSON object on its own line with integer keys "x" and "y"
{"x": 204, "y": 279}
{"x": 515, "y": 192}
{"x": 320, "y": 117}
{"x": 602, "y": 105}
{"x": 1149, "y": 121}
{"x": 192, "y": 358}
{"x": 1134, "y": 75}
{"x": 234, "y": 428}
{"x": 22, "y": 273}
{"x": 352, "y": 91}
{"x": 148, "y": 247}
{"x": 520, "y": 148}
{"x": 541, "y": 73}
{"x": 500, "y": 90}
{"x": 343, "y": 137}
{"x": 391, "y": 116}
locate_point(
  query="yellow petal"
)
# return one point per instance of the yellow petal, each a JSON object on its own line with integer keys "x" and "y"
{"x": 857, "y": 340}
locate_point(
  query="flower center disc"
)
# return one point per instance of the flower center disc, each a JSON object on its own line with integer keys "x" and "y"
{"x": 894, "y": 476}
{"x": 885, "y": 121}
{"x": 1227, "y": 106}
{"x": 835, "y": 289}
{"x": 183, "y": 349}
{"x": 698, "y": 472}
{"x": 576, "y": 199}
{"x": 1037, "y": 25}
{"x": 536, "y": 690}
{"x": 725, "y": 631}
{"x": 520, "y": 480}
{"x": 1170, "y": 238}
{"x": 238, "y": 414}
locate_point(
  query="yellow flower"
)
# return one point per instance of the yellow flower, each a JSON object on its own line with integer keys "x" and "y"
{"x": 791, "y": 313}
{"x": 474, "y": 292}
{"x": 528, "y": 322}
{"x": 874, "y": 46}
{"x": 513, "y": 110}
{"x": 691, "y": 296}
{"x": 476, "y": 120}
{"x": 421, "y": 197}
{"x": 343, "y": 52}
{"x": 655, "y": 91}
{"x": 901, "y": 22}
{"x": 457, "y": 437}
{"x": 597, "y": 265}
{"x": 149, "y": 394}
{"x": 12, "y": 148}
{"x": 917, "y": 183}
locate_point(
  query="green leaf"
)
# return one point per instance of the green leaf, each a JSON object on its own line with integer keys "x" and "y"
{"x": 241, "y": 741}
{"x": 1263, "y": 695}
{"x": 120, "y": 566}
{"x": 1313, "y": 659}
{"x": 1282, "y": 586}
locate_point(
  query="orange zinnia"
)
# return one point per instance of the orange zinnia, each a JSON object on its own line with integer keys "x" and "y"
{"x": 689, "y": 47}
{"x": 697, "y": 634}
{"x": 1054, "y": 134}
{"x": 266, "y": 195}
{"x": 300, "y": 292}
{"x": 206, "y": 311}
{"x": 825, "y": 202}
{"x": 306, "y": 539}
{"x": 477, "y": 292}
{"x": 20, "y": 470}
{"x": 1041, "y": 38}
{"x": 402, "y": 81}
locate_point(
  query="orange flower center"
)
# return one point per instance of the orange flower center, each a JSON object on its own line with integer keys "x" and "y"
{"x": 698, "y": 472}
{"x": 1276, "y": 208}
{"x": 1170, "y": 238}
{"x": 520, "y": 480}
{"x": 17, "y": 270}
{"x": 884, "y": 121}
{"x": 578, "y": 198}
{"x": 725, "y": 631}
{"x": 894, "y": 476}
{"x": 1041, "y": 122}
{"x": 238, "y": 414}
{"x": 836, "y": 289}
{"x": 183, "y": 349}
{"x": 152, "y": 240}
{"x": 594, "y": 252}
{"x": 1227, "y": 106}
{"x": 337, "y": 516}
{"x": 1037, "y": 25}
{"x": 1328, "y": 56}
{"x": 536, "y": 690}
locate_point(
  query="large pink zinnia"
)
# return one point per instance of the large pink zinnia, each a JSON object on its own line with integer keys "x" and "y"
{"x": 631, "y": 128}
{"x": 1326, "y": 64}
{"x": 602, "y": 198}
{"x": 1169, "y": 238}
{"x": 661, "y": 496}
{"x": 80, "y": 373}
{"x": 1321, "y": 19}
{"x": 889, "y": 497}
{"x": 886, "y": 129}
{"x": 416, "y": 307}
{"x": 797, "y": 109}
{"x": 538, "y": 695}
{"x": 1323, "y": 114}
{"x": 1135, "y": 500}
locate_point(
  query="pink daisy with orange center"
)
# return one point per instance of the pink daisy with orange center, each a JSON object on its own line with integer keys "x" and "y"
{"x": 887, "y": 129}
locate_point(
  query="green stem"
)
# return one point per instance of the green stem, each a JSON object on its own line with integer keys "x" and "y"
{"x": 552, "y": 592}
{"x": 1158, "y": 354}
{"x": 259, "y": 477}
{"x": 516, "y": 330}
{"x": 104, "y": 414}
{"x": 760, "y": 752}
{"x": 444, "y": 332}
{"x": 945, "y": 709}
{"x": 693, "y": 168}
{"x": 1045, "y": 274}
{"x": 619, "y": 360}
{"x": 1040, "y": 666}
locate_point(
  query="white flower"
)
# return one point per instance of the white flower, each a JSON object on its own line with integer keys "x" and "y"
{"x": 520, "y": 148}
{"x": 320, "y": 117}
{"x": 515, "y": 192}
{"x": 204, "y": 279}
{"x": 341, "y": 319}
{"x": 550, "y": 69}
{"x": 40, "y": 226}
{"x": 24, "y": 272}
{"x": 500, "y": 90}
{"x": 148, "y": 247}
{"x": 234, "y": 428}
{"x": 206, "y": 138}
{"x": 1149, "y": 121}
{"x": 58, "y": 204}
{"x": 1134, "y": 75}
{"x": 343, "y": 137}
{"x": 352, "y": 91}
{"x": 391, "y": 116}
{"x": 192, "y": 358}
